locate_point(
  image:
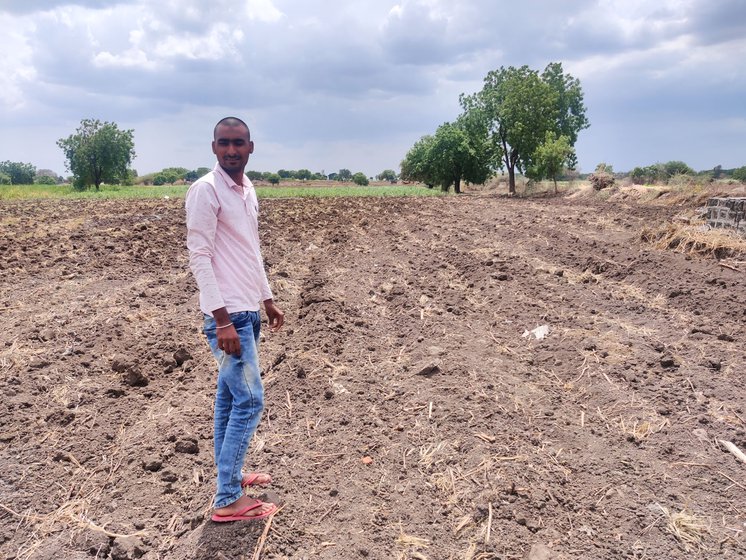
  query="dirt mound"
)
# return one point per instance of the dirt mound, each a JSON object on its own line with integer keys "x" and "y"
{"x": 407, "y": 415}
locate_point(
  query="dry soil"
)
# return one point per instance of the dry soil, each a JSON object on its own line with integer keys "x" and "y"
{"x": 410, "y": 412}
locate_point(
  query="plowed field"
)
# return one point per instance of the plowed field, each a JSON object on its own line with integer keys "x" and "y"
{"x": 410, "y": 412}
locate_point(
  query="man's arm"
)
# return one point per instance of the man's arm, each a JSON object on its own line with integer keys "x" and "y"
{"x": 202, "y": 209}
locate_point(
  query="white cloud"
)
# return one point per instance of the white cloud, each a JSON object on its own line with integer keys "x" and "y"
{"x": 15, "y": 63}
{"x": 373, "y": 74}
{"x": 263, "y": 10}
{"x": 220, "y": 42}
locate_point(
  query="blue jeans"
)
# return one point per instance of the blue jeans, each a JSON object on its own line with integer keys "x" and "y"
{"x": 239, "y": 402}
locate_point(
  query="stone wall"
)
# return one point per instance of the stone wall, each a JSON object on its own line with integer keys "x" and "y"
{"x": 727, "y": 213}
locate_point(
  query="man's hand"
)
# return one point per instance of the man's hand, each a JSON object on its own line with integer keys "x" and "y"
{"x": 228, "y": 340}
{"x": 275, "y": 317}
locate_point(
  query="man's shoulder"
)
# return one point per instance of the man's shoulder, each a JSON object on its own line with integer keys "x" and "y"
{"x": 204, "y": 186}
{"x": 208, "y": 178}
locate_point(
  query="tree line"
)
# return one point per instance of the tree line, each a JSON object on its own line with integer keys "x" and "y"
{"x": 521, "y": 121}
{"x": 99, "y": 152}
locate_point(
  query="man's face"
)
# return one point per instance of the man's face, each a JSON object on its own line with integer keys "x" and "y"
{"x": 232, "y": 147}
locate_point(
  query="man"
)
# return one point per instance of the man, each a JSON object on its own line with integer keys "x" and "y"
{"x": 224, "y": 255}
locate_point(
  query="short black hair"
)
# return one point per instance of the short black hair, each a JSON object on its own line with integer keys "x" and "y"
{"x": 231, "y": 121}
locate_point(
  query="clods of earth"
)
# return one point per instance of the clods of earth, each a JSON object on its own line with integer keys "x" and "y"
{"x": 464, "y": 377}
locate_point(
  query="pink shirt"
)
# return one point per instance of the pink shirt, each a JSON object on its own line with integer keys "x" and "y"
{"x": 223, "y": 242}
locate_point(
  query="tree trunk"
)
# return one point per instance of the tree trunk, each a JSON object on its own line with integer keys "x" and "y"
{"x": 457, "y": 185}
{"x": 511, "y": 179}
{"x": 555, "y": 184}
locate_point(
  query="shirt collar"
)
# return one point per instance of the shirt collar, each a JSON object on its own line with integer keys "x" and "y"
{"x": 231, "y": 183}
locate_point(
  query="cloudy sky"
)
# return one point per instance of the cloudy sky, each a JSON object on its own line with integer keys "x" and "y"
{"x": 354, "y": 83}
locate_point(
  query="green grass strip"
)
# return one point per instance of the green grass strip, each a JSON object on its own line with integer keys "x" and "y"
{"x": 30, "y": 192}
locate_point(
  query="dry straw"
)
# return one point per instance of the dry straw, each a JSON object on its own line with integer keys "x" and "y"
{"x": 689, "y": 529}
{"x": 691, "y": 239}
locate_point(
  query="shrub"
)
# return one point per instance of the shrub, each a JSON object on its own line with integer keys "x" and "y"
{"x": 359, "y": 178}
{"x": 44, "y": 180}
{"x": 273, "y": 178}
{"x": 740, "y": 174}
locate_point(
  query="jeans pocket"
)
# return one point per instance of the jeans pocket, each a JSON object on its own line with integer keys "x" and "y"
{"x": 241, "y": 319}
{"x": 209, "y": 325}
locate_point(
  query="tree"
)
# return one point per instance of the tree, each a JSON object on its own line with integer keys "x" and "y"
{"x": 571, "y": 117}
{"x": 387, "y": 175}
{"x": 457, "y": 152}
{"x": 456, "y": 156}
{"x": 344, "y": 175}
{"x": 677, "y": 168}
{"x": 46, "y": 177}
{"x": 284, "y": 173}
{"x": 131, "y": 177}
{"x": 170, "y": 175}
{"x": 359, "y": 178}
{"x": 98, "y": 152}
{"x": 416, "y": 164}
{"x": 740, "y": 174}
{"x": 5, "y": 179}
{"x": 303, "y": 174}
{"x": 552, "y": 156}
{"x": 604, "y": 167}
{"x": 274, "y": 178}
{"x": 19, "y": 173}
{"x": 518, "y": 107}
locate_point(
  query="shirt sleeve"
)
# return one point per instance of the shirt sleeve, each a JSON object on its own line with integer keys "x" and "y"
{"x": 202, "y": 209}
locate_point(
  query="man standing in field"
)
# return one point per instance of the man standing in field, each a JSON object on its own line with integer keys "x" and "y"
{"x": 224, "y": 255}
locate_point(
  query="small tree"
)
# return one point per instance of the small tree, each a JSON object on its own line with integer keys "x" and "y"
{"x": 19, "y": 173}
{"x": 638, "y": 176}
{"x": 359, "y": 178}
{"x": 274, "y": 178}
{"x": 551, "y": 157}
{"x": 98, "y": 152}
{"x": 387, "y": 175}
{"x": 5, "y": 179}
{"x": 344, "y": 175}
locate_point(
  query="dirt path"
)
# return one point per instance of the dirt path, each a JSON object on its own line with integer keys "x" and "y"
{"x": 407, "y": 416}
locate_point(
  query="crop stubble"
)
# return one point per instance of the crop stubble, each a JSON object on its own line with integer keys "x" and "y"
{"x": 407, "y": 416}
